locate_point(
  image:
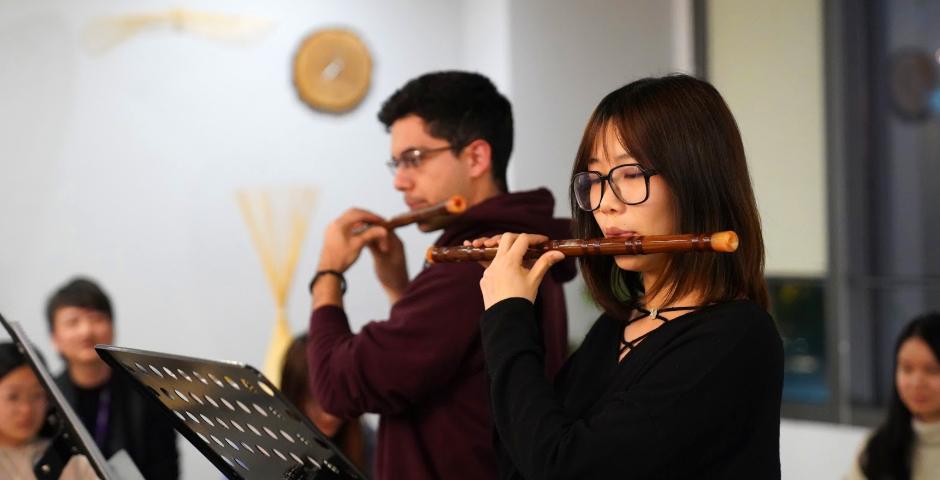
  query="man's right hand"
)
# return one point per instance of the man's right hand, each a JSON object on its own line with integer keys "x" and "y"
{"x": 342, "y": 245}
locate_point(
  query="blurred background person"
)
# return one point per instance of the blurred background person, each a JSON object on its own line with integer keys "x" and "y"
{"x": 907, "y": 444}
{"x": 353, "y": 438}
{"x": 23, "y": 413}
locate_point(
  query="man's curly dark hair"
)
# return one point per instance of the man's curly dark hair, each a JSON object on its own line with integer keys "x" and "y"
{"x": 459, "y": 107}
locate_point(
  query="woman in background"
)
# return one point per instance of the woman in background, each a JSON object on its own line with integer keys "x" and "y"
{"x": 23, "y": 412}
{"x": 351, "y": 436}
{"x": 907, "y": 445}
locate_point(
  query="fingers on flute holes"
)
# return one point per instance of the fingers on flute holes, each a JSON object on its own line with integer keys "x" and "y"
{"x": 372, "y": 233}
{"x": 520, "y": 245}
{"x": 541, "y": 266}
{"x": 505, "y": 242}
{"x": 536, "y": 239}
{"x": 352, "y": 217}
{"x": 358, "y": 220}
{"x": 361, "y": 214}
{"x": 359, "y": 228}
{"x": 381, "y": 244}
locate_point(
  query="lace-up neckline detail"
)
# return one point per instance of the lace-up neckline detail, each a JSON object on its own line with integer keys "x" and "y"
{"x": 627, "y": 345}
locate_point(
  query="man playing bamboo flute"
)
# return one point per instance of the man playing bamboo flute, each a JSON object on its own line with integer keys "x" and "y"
{"x": 422, "y": 369}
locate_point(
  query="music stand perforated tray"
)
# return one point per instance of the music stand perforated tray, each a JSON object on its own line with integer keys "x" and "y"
{"x": 233, "y": 415}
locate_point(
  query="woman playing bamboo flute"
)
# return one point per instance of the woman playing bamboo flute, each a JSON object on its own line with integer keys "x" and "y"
{"x": 681, "y": 376}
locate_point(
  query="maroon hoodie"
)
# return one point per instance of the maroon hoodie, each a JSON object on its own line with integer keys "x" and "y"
{"x": 422, "y": 369}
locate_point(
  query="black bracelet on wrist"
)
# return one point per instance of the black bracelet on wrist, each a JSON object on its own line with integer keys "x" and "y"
{"x": 342, "y": 279}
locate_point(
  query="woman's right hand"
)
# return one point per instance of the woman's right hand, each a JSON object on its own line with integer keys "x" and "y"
{"x": 508, "y": 276}
{"x": 483, "y": 242}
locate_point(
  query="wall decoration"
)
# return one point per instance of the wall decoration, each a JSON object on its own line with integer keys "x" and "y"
{"x": 106, "y": 33}
{"x": 277, "y": 220}
{"x": 332, "y": 70}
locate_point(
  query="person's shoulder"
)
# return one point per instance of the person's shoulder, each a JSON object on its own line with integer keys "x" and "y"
{"x": 739, "y": 307}
{"x": 736, "y": 313}
{"x": 743, "y": 319}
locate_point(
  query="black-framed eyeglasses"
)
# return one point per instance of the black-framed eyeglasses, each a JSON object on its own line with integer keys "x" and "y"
{"x": 413, "y": 157}
{"x": 630, "y": 184}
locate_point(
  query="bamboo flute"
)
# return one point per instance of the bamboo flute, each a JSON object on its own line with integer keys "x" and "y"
{"x": 724, "y": 242}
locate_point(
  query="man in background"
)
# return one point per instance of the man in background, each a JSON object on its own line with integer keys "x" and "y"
{"x": 118, "y": 418}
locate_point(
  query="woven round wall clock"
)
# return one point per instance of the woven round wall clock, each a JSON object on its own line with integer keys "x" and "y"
{"x": 332, "y": 70}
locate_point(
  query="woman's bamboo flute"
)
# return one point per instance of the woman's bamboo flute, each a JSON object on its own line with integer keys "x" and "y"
{"x": 724, "y": 242}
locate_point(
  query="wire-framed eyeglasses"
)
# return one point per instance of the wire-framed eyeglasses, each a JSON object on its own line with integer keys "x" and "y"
{"x": 413, "y": 157}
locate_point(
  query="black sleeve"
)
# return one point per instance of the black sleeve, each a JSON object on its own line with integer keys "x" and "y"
{"x": 648, "y": 429}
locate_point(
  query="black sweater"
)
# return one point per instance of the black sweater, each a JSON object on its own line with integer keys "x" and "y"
{"x": 135, "y": 424}
{"x": 698, "y": 398}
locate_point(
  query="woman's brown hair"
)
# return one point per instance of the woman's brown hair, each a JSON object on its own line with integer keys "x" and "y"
{"x": 681, "y": 127}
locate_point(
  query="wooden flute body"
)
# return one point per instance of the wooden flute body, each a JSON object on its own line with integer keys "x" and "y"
{"x": 453, "y": 206}
{"x": 725, "y": 242}
{"x": 428, "y": 219}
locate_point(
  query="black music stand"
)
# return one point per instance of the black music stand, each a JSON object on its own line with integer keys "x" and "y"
{"x": 233, "y": 415}
{"x": 71, "y": 437}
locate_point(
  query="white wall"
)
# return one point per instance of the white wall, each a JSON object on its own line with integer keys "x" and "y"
{"x": 485, "y": 35}
{"x": 766, "y": 58}
{"x": 811, "y": 450}
{"x": 123, "y": 165}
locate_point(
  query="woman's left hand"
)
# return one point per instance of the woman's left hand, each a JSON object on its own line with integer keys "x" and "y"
{"x": 508, "y": 277}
